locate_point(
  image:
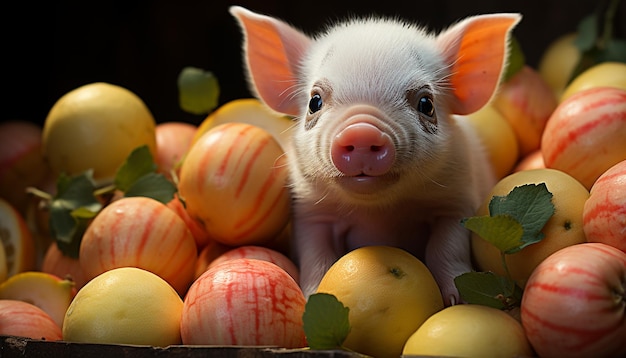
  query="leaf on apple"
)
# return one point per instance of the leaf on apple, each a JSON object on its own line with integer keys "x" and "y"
{"x": 76, "y": 202}
{"x": 488, "y": 289}
{"x": 326, "y": 324}
{"x": 503, "y": 230}
{"x": 531, "y": 206}
{"x": 138, "y": 177}
{"x": 198, "y": 90}
{"x": 514, "y": 222}
{"x": 71, "y": 209}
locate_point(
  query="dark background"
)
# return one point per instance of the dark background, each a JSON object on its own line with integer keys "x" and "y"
{"x": 53, "y": 48}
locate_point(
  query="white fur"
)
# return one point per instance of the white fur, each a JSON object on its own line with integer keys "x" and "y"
{"x": 366, "y": 67}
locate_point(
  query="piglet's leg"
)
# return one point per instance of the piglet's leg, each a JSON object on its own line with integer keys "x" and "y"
{"x": 448, "y": 255}
{"x": 315, "y": 253}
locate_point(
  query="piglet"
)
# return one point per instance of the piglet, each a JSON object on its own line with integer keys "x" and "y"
{"x": 381, "y": 154}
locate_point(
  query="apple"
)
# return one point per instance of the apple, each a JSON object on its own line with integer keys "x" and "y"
{"x": 249, "y": 111}
{"x": 234, "y": 181}
{"x": 199, "y": 233}
{"x": 18, "y": 242}
{"x": 58, "y": 264}
{"x": 21, "y": 163}
{"x": 603, "y": 74}
{"x": 574, "y": 304}
{"x": 140, "y": 232}
{"x": 533, "y": 160}
{"x": 604, "y": 213}
{"x": 207, "y": 254}
{"x": 259, "y": 253}
{"x": 389, "y": 292}
{"x": 22, "y": 319}
{"x": 48, "y": 292}
{"x": 173, "y": 139}
{"x": 4, "y": 268}
{"x": 469, "y": 330}
{"x": 81, "y": 126}
{"x": 244, "y": 302}
{"x": 498, "y": 138}
{"x": 564, "y": 228}
{"x": 558, "y": 62}
{"x": 526, "y": 102}
{"x": 586, "y": 133}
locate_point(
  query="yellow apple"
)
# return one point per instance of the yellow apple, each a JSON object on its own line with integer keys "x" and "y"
{"x": 389, "y": 292}
{"x": 563, "y": 229}
{"x": 469, "y": 330}
{"x": 603, "y": 74}
{"x": 498, "y": 137}
{"x": 96, "y": 126}
{"x": 558, "y": 62}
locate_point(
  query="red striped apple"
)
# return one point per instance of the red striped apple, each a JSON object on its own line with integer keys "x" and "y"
{"x": 195, "y": 227}
{"x": 173, "y": 140}
{"x": 526, "y": 102}
{"x": 574, "y": 303}
{"x": 604, "y": 213}
{"x": 234, "y": 181}
{"x": 22, "y": 319}
{"x": 21, "y": 161}
{"x": 534, "y": 160}
{"x": 58, "y": 264}
{"x": 48, "y": 292}
{"x": 586, "y": 133}
{"x": 244, "y": 302}
{"x": 207, "y": 254}
{"x": 259, "y": 253}
{"x": 140, "y": 232}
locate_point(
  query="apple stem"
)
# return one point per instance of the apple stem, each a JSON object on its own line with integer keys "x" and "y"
{"x": 39, "y": 193}
{"x": 105, "y": 190}
{"x": 609, "y": 16}
{"x": 508, "y": 273}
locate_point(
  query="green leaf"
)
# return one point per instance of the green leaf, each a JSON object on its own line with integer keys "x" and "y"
{"x": 488, "y": 289}
{"x": 515, "y": 59}
{"x": 531, "y": 205}
{"x": 326, "y": 324}
{"x": 614, "y": 51}
{"x": 587, "y": 33}
{"x": 138, "y": 163}
{"x": 198, "y": 90}
{"x": 71, "y": 210}
{"x": 153, "y": 185}
{"x": 503, "y": 231}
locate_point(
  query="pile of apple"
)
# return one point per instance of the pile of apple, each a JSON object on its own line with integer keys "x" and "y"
{"x": 212, "y": 241}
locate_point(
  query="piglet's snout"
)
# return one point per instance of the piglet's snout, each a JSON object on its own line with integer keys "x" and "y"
{"x": 362, "y": 149}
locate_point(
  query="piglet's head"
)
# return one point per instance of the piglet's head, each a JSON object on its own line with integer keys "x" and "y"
{"x": 373, "y": 97}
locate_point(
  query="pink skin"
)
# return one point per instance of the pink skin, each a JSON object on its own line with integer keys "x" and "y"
{"x": 362, "y": 150}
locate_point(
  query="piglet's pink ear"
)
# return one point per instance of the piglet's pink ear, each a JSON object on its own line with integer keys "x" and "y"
{"x": 273, "y": 51}
{"x": 476, "y": 49}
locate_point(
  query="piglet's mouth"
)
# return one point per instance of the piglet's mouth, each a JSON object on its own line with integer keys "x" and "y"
{"x": 363, "y": 184}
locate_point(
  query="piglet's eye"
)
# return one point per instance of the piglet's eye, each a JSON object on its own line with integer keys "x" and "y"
{"x": 315, "y": 103}
{"x": 425, "y": 105}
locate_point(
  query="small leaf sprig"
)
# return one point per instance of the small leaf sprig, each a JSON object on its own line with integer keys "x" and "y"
{"x": 78, "y": 200}
{"x": 596, "y": 38}
{"x": 514, "y": 222}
